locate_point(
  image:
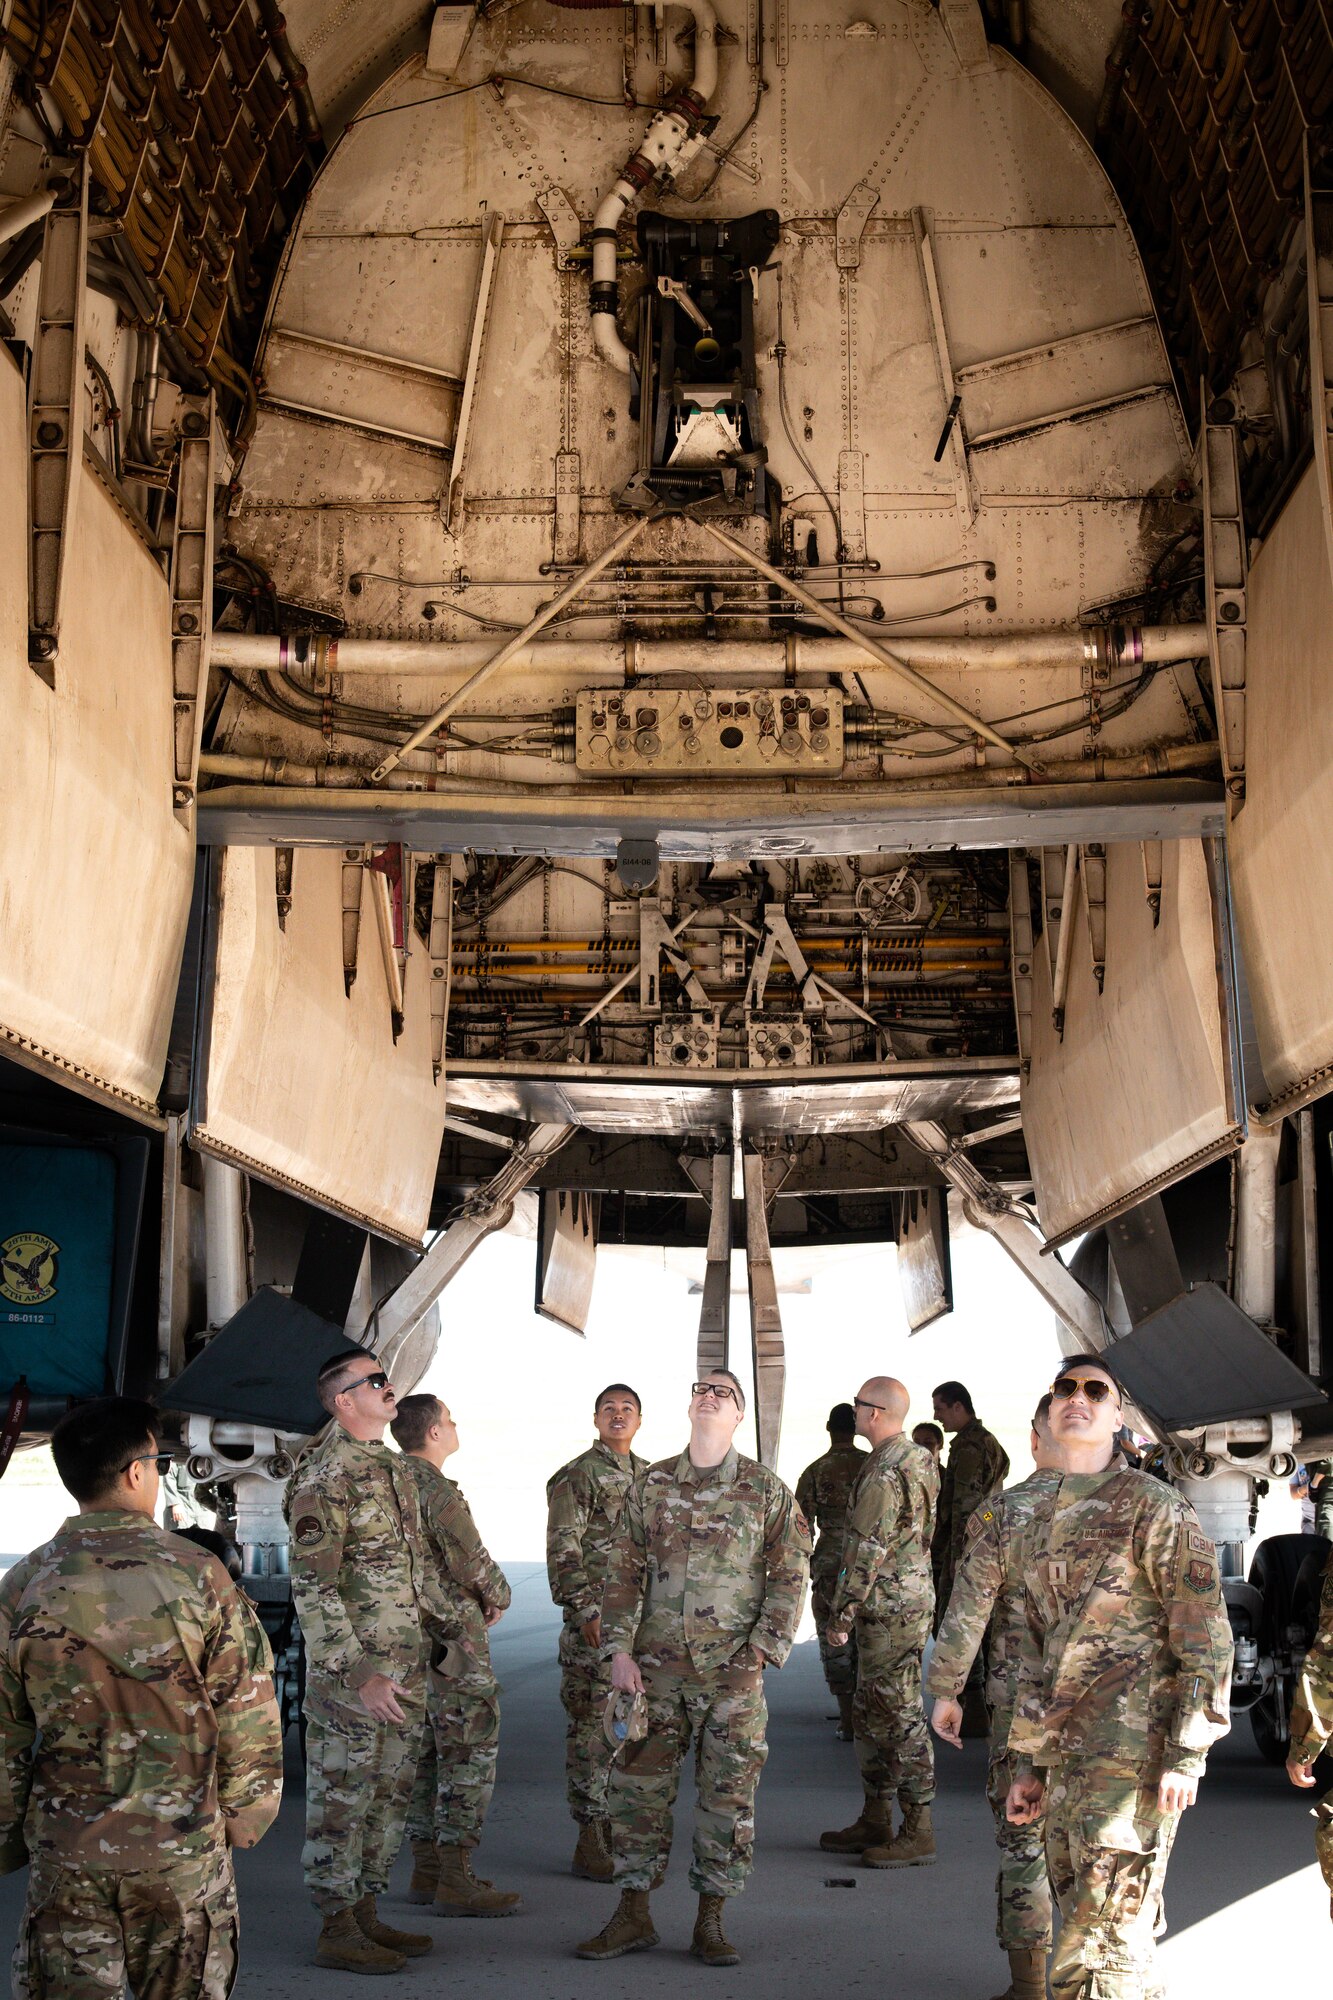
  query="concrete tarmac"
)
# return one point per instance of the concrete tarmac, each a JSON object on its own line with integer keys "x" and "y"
{"x": 1246, "y": 1906}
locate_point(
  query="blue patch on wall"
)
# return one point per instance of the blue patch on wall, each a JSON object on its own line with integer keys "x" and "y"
{"x": 57, "y": 1253}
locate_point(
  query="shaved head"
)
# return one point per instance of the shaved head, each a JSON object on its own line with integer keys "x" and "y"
{"x": 889, "y": 1391}
{"x": 881, "y": 1408}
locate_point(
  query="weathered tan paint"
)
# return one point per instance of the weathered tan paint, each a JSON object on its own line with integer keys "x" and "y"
{"x": 304, "y": 1084}
{"x": 95, "y": 886}
{"x": 1281, "y": 860}
{"x": 1137, "y": 1091}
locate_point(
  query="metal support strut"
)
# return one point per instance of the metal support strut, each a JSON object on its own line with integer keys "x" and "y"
{"x": 397, "y": 1318}
{"x": 55, "y": 420}
{"x": 770, "y": 1364}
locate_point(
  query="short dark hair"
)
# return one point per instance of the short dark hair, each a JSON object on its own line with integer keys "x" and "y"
{"x": 616, "y": 1389}
{"x": 954, "y": 1392}
{"x": 412, "y": 1420}
{"x": 93, "y": 1444}
{"x": 1042, "y": 1411}
{"x": 841, "y": 1420}
{"x": 937, "y": 1435}
{"x": 332, "y": 1377}
{"x": 704, "y": 1373}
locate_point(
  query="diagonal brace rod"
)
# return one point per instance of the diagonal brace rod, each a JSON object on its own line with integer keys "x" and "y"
{"x": 870, "y": 647}
{"x": 589, "y": 574}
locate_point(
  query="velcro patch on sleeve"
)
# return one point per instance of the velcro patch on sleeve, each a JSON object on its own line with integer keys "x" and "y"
{"x": 309, "y": 1531}
{"x": 1201, "y": 1578}
{"x": 1199, "y": 1545}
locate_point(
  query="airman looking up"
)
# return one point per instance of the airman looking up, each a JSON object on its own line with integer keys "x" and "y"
{"x": 585, "y": 1502}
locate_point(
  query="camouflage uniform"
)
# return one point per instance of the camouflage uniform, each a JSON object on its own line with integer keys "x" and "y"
{"x": 456, "y": 1763}
{"x": 885, "y": 1586}
{"x": 1123, "y": 1673}
{"x": 989, "y": 1587}
{"x": 977, "y": 1466}
{"x": 1312, "y": 1718}
{"x": 585, "y": 1501}
{"x": 822, "y": 1494}
{"x": 149, "y": 1680}
{"x": 364, "y": 1590}
{"x": 708, "y": 1571}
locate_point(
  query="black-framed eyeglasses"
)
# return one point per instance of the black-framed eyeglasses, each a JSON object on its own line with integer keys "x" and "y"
{"x": 379, "y": 1380}
{"x": 718, "y": 1389}
{"x": 1094, "y": 1388}
{"x": 860, "y": 1403}
{"x": 164, "y": 1460}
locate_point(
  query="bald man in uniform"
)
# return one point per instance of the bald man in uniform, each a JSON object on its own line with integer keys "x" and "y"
{"x": 886, "y": 1592}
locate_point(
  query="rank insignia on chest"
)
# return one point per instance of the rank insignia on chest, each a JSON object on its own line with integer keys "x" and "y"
{"x": 1199, "y": 1578}
{"x": 1057, "y": 1572}
{"x": 309, "y": 1530}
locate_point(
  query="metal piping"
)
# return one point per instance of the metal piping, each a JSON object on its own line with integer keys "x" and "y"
{"x": 611, "y": 554}
{"x": 673, "y": 137}
{"x": 1166, "y": 760}
{"x": 868, "y": 646}
{"x": 20, "y": 215}
{"x": 606, "y": 660}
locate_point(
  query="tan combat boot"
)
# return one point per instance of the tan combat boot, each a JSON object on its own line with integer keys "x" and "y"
{"x": 1027, "y": 1976}
{"x": 344, "y": 1947}
{"x": 408, "y": 1944}
{"x": 425, "y": 1872}
{"x": 460, "y": 1893}
{"x": 870, "y": 1830}
{"x": 592, "y": 1856}
{"x": 913, "y": 1846}
{"x": 630, "y": 1929}
{"x": 710, "y": 1940}
{"x": 844, "y": 1729}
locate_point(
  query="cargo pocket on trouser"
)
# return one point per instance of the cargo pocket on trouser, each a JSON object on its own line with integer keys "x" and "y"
{"x": 1117, "y": 1895}
{"x": 68, "y": 1946}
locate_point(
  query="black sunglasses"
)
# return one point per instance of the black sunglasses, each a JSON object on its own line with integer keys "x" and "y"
{"x": 164, "y": 1460}
{"x": 379, "y": 1380}
{"x": 860, "y": 1403}
{"x": 1093, "y": 1387}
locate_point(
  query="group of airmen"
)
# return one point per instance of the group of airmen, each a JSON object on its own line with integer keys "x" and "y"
{"x": 140, "y": 1741}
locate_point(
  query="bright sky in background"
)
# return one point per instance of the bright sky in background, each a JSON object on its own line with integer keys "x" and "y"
{"x": 522, "y": 1389}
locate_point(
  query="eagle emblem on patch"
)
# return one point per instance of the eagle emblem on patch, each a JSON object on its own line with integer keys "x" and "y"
{"x": 309, "y": 1530}
{"x": 1199, "y": 1578}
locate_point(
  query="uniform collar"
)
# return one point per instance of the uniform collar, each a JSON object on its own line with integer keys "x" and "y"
{"x": 689, "y": 1474}
{"x": 622, "y": 1463}
{"x": 104, "y": 1520}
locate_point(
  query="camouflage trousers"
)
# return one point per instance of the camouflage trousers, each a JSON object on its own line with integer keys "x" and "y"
{"x": 172, "y": 1932}
{"x": 585, "y": 1682}
{"x": 1022, "y": 1887}
{"x": 455, "y": 1773}
{"x": 1323, "y": 1841}
{"x": 726, "y": 1714}
{"x": 838, "y": 1662}
{"x": 1107, "y": 1846}
{"x": 888, "y": 1714}
{"x": 358, "y": 1784}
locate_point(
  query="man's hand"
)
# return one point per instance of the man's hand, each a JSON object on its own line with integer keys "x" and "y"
{"x": 379, "y": 1698}
{"x": 1024, "y": 1800}
{"x": 592, "y": 1633}
{"x": 837, "y": 1635}
{"x": 494, "y": 1613}
{"x": 1175, "y": 1792}
{"x": 625, "y": 1675}
{"x": 1300, "y": 1774}
{"x": 946, "y": 1719}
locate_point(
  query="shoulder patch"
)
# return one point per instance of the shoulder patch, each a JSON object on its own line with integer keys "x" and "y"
{"x": 309, "y": 1531}
{"x": 986, "y": 1514}
{"x": 1200, "y": 1578}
